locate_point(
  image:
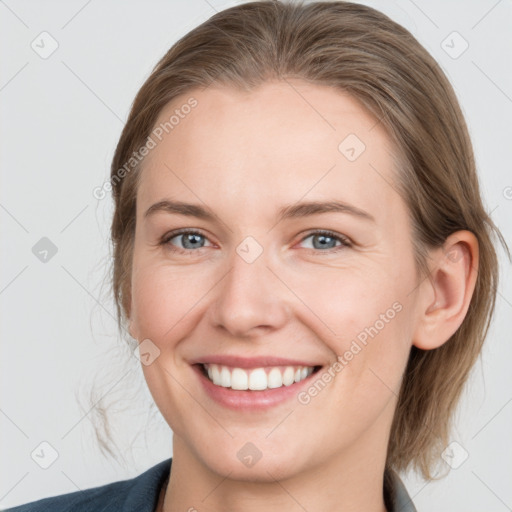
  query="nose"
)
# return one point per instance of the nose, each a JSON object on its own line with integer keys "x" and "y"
{"x": 251, "y": 299}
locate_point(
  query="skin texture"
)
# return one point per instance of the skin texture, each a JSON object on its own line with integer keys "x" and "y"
{"x": 244, "y": 156}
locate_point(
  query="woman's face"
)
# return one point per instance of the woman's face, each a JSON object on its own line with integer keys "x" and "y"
{"x": 256, "y": 287}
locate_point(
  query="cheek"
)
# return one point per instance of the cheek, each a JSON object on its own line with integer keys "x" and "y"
{"x": 370, "y": 329}
{"x": 163, "y": 301}
{"x": 164, "y": 310}
{"x": 372, "y": 348}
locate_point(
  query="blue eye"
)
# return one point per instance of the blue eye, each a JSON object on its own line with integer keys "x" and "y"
{"x": 189, "y": 239}
{"x": 193, "y": 241}
{"x": 324, "y": 241}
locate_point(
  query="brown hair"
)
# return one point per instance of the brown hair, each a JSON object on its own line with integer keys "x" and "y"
{"x": 359, "y": 50}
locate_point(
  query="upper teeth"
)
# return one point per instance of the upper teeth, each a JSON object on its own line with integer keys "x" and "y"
{"x": 257, "y": 378}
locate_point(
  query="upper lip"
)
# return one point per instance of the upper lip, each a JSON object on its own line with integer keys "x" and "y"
{"x": 251, "y": 362}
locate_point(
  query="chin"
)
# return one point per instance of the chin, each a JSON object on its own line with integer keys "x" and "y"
{"x": 278, "y": 466}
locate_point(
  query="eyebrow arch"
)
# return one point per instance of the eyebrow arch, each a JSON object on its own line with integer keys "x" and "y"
{"x": 292, "y": 211}
{"x": 315, "y": 207}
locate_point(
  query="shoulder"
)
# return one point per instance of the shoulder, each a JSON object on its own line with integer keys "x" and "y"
{"x": 136, "y": 494}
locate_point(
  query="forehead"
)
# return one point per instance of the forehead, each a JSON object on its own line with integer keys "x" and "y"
{"x": 275, "y": 144}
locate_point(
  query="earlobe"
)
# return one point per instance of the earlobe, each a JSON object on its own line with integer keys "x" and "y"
{"x": 446, "y": 294}
{"x": 131, "y": 330}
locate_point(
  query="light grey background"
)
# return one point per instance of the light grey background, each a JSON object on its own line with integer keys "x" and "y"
{"x": 61, "y": 117}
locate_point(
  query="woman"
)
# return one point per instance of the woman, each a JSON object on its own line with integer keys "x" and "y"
{"x": 302, "y": 253}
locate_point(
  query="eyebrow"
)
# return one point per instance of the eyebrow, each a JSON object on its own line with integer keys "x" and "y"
{"x": 292, "y": 211}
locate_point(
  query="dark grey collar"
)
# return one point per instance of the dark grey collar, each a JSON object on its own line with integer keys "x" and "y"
{"x": 396, "y": 496}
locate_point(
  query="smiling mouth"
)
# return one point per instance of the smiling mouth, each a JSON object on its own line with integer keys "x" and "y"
{"x": 256, "y": 379}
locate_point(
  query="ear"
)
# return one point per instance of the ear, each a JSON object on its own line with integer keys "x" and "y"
{"x": 131, "y": 328}
{"x": 446, "y": 293}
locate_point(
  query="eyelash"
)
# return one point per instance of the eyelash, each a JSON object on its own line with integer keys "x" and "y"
{"x": 345, "y": 242}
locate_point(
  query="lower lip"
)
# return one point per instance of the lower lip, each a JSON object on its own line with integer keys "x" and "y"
{"x": 250, "y": 400}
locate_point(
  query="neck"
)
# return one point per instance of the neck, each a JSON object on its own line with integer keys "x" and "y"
{"x": 348, "y": 481}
